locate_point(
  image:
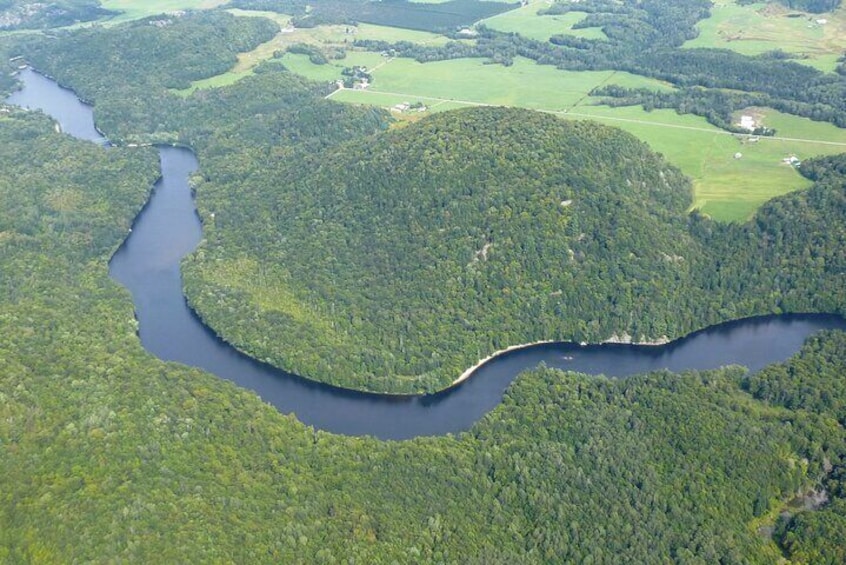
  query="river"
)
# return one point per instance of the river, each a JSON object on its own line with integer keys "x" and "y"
{"x": 168, "y": 228}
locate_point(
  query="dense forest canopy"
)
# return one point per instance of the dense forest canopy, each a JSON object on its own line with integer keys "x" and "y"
{"x": 27, "y": 14}
{"x": 436, "y": 17}
{"x": 157, "y": 462}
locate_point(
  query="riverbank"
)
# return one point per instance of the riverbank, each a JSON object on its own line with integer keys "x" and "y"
{"x": 469, "y": 372}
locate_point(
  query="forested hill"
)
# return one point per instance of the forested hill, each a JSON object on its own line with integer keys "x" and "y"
{"x": 397, "y": 263}
{"x": 412, "y": 255}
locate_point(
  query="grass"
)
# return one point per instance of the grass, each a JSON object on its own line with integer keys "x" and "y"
{"x": 758, "y": 28}
{"x": 528, "y": 23}
{"x": 523, "y": 84}
{"x": 726, "y": 188}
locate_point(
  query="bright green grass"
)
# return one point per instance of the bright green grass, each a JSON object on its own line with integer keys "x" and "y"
{"x": 726, "y": 188}
{"x": 301, "y": 65}
{"x": 528, "y": 23}
{"x": 382, "y": 100}
{"x": 134, "y": 10}
{"x": 758, "y": 28}
{"x": 523, "y": 84}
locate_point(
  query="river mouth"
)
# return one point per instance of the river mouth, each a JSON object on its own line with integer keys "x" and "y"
{"x": 168, "y": 228}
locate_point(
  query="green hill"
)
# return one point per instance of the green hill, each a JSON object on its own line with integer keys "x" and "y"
{"x": 397, "y": 262}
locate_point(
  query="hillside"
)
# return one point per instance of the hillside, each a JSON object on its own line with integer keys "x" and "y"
{"x": 395, "y": 263}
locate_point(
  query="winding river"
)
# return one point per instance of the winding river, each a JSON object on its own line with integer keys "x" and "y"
{"x": 148, "y": 264}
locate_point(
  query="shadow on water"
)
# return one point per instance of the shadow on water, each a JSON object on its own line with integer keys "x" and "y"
{"x": 168, "y": 228}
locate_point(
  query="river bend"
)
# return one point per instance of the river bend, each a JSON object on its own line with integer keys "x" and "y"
{"x": 168, "y": 228}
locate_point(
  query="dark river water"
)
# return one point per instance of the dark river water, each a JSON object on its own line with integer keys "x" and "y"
{"x": 168, "y": 228}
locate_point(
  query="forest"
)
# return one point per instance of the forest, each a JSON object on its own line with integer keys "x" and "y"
{"x": 435, "y": 17}
{"x": 108, "y": 454}
{"x": 22, "y": 14}
{"x": 155, "y": 461}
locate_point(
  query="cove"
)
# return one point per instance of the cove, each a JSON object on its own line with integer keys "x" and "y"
{"x": 168, "y": 228}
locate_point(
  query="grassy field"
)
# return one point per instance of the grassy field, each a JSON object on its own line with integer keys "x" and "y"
{"x": 528, "y": 23}
{"x": 726, "y": 187}
{"x": 758, "y": 28}
{"x": 522, "y": 84}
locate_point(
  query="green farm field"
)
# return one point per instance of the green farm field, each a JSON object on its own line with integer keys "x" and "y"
{"x": 524, "y": 84}
{"x": 725, "y": 187}
{"x": 758, "y": 28}
{"x": 528, "y": 23}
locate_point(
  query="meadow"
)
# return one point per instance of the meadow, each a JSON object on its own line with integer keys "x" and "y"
{"x": 329, "y": 37}
{"x": 758, "y": 28}
{"x": 528, "y": 23}
{"x": 727, "y": 188}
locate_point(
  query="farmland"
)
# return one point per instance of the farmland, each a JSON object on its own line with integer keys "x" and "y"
{"x": 758, "y": 28}
{"x": 528, "y": 23}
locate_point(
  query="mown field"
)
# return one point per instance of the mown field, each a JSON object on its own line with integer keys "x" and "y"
{"x": 328, "y": 37}
{"x": 527, "y": 22}
{"x": 758, "y": 28}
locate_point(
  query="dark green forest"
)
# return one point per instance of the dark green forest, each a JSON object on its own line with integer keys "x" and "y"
{"x": 108, "y": 454}
{"x": 437, "y": 17}
{"x": 23, "y": 14}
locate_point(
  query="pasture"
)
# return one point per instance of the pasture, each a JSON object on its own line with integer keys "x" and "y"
{"x": 528, "y": 23}
{"x": 758, "y": 28}
{"x": 329, "y": 38}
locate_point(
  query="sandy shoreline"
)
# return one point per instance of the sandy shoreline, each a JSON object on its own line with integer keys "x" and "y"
{"x": 624, "y": 339}
{"x": 466, "y": 374}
